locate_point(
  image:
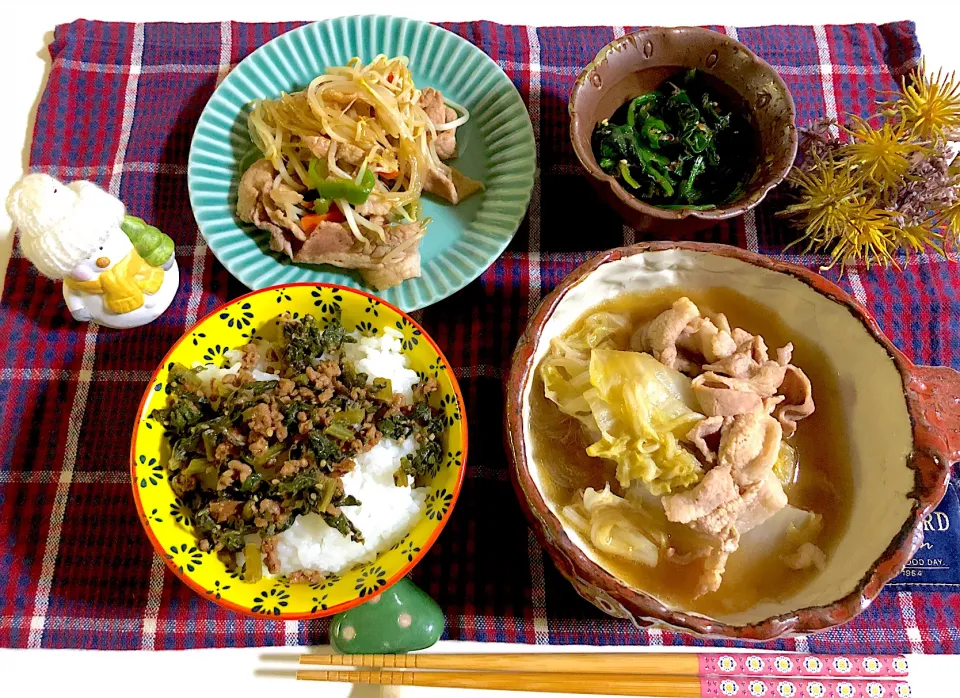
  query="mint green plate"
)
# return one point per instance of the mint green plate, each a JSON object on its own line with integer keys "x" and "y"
{"x": 496, "y": 146}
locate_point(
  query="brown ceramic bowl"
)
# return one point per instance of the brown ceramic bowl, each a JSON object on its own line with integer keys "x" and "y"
{"x": 640, "y": 62}
{"x": 902, "y": 423}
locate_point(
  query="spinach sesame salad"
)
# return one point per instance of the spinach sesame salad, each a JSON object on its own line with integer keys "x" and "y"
{"x": 677, "y": 146}
{"x": 295, "y": 429}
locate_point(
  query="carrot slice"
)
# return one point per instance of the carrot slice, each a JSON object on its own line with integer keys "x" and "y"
{"x": 311, "y": 222}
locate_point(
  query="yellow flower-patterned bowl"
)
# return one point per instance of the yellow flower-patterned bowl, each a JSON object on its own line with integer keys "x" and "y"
{"x": 167, "y": 521}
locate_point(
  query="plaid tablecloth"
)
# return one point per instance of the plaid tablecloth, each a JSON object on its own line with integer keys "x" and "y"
{"x": 119, "y": 108}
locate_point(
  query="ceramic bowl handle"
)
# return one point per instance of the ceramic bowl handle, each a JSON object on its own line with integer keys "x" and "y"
{"x": 937, "y": 389}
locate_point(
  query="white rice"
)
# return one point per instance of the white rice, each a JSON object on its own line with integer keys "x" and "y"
{"x": 386, "y": 511}
{"x": 379, "y": 357}
{"x": 211, "y": 372}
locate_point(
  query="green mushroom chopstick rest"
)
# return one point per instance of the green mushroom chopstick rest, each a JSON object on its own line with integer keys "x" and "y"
{"x": 401, "y": 619}
{"x": 117, "y": 271}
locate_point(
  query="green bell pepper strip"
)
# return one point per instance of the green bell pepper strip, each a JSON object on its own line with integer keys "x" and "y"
{"x": 653, "y": 129}
{"x": 655, "y": 166}
{"x": 316, "y": 171}
{"x": 627, "y": 177}
{"x": 698, "y": 140}
{"x": 355, "y": 194}
{"x": 637, "y": 108}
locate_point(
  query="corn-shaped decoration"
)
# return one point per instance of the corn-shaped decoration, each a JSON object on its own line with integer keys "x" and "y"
{"x": 151, "y": 244}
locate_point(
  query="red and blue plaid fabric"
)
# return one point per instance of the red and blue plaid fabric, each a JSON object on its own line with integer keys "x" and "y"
{"x": 119, "y": 109}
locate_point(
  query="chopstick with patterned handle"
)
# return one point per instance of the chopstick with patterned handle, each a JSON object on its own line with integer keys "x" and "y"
{"x": 611, "y": 684}
{"x": 636, "y": 663}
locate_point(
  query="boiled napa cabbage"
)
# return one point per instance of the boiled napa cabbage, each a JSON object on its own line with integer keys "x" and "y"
{"x": 640, "y": 409}
{"x": 566, "y": 369}
{"x": 661, "y": 396}
{"x": 788, "y": 529}
{"x": 601, "y": 331}
{"x": 565, "y": 385}
{"x": 633, "y": 408}
{"x": 613, "y": 526}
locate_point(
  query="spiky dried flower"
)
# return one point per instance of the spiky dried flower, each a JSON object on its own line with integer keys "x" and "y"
{"x": 890, "y": 188}
{"x": 930, "y": 104}
{"x": 879, "y": 153}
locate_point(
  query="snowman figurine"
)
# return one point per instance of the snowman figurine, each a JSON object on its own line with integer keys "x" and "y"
{"x": 117, "y": 271}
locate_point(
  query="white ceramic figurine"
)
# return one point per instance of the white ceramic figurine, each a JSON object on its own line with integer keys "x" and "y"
{"x": 117, "y": 271}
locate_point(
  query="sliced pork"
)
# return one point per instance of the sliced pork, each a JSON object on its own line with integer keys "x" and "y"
{"x": 718, "y": 399}
{"x": 661, "y": 335}
{"x": 381, "y": 263}
{"x": 714, "y": 490}
{"x": 431, "y": 101}
{"x": 699, "y": 433}
{"x": 762, "y": 500}
{"x": 749, "y": 447}
{"x": 452, "y": 185}
{"x": 319, "y": 146}
{"x": 257, "y": 204}
{"x": 798, "y": 400}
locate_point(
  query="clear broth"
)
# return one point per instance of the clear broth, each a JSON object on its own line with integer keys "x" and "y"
{"x": 823, "y": 483}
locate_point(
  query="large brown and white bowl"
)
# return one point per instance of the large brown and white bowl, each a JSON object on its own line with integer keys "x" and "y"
{"x": 902, "y": 423}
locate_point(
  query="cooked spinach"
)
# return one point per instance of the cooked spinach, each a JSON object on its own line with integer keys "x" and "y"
{"x": 676, "y": 147}
{"x": 325, "y": 450}
{"x": 299, "y": 481}
{"x": 401, "y": 425}
{"x": 350, "y": 377}
{"x": 290, "y": 411}
{"x": 428, "y": 427}
{"x": 307, "y": 341}
{"x": 187, "y": 410}
{"x": 343, "y": 525}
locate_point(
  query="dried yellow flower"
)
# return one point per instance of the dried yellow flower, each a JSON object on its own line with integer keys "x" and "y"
{"x": 891, "y": 188}
{"x": 882, "y": 154}
{"x": 826, "y": 199}
{"x": 869, "y": 235}
{"x": 951, "y": 221}
{"x": 916, "y": 238}
{"x": 930, "y": 104}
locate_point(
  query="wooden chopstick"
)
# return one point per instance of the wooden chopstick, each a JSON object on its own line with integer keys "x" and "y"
{"x": 633, "y": 663}
{"x": 639, "y": 663}
{"x": 660, "y": 686}
{"x": 651, "y": 686}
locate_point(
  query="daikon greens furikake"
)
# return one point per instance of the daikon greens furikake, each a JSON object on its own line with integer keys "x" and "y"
{"x": 676, "y": 147}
